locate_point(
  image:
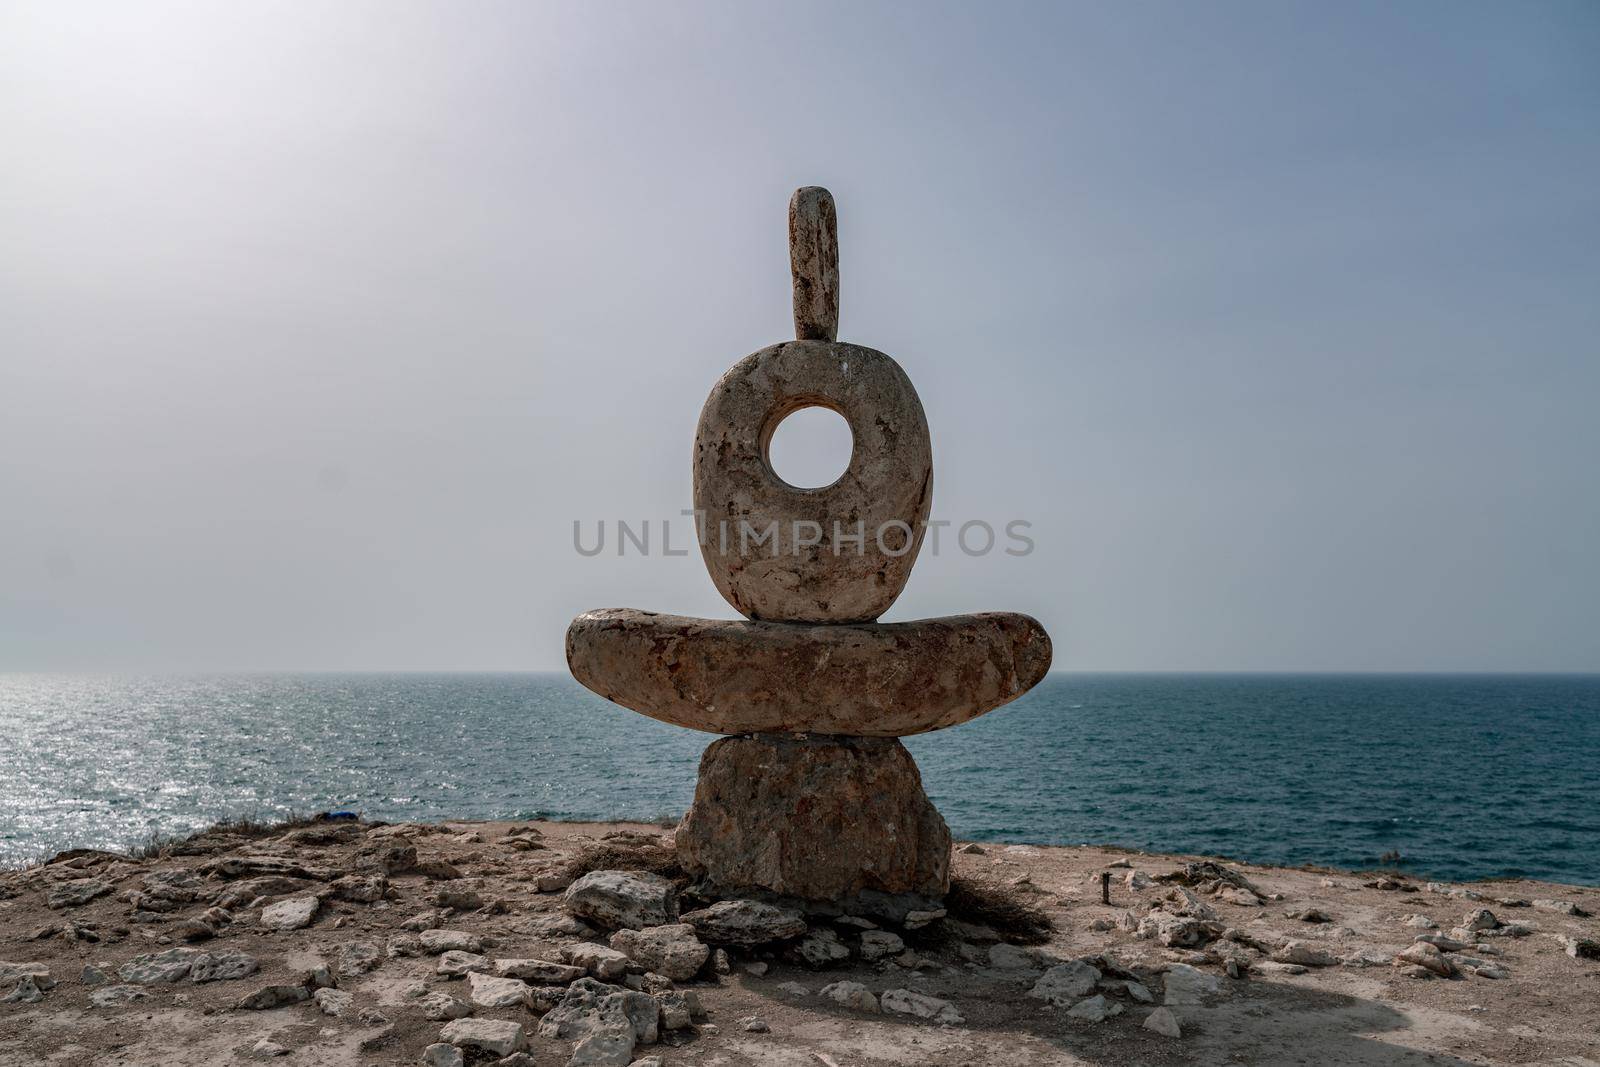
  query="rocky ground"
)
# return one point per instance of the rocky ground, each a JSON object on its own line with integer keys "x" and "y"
{"x": 344, "y": 943}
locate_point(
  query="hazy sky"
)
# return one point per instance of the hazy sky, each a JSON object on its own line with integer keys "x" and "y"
{"x": 320, "y": 323}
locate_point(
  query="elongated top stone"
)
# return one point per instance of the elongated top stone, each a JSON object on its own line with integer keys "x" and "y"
{"x": 814, "y": 263}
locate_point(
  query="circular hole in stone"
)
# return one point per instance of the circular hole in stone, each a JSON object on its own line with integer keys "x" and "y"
{"x": 811, "y": 448}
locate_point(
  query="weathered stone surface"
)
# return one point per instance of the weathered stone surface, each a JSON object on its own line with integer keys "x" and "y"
{"x": 1005, "y": 957}
{"x": 441, "y": 1054}
{"x": 77, "y": 893}
{"x": 436, "y": 941}
{"x": 359, "y": 957}
{"x": 291, "y": 914}
{"x": 39, "y": 972}
{"x": 487, "y": 991}
{"x": 225, "y": 966}
{"x": 457, "y": 964}
{"x": 814, "y": 263}
{"x": 231, "y": 867}
{"x": 746, "y": 923}
{"x": 1186, "y": 985}
{"x": 589, "y": 1007}
{"x": 1065, "y": 983}
{"x": 819, "y": 948}
{"x": 361, "y": 889}
{"x": 26, "y": 991}
{"x": 609, "y": 1044}
{"x": 876, "y": 944}
{"x": 318, "y": 976}
{"x": 442, "y": 1006}
{"x": 641, "y": 1010}
{"x": 240, "y": 894}
{"x": 598, "y": 960}
{"x": 679, "y": 1007}
{"x": 1094, "y": 1009}
{"x": 541, "y": 971}
{"x": 810, "y": 569}
{"x": 1305, "y": 953}
{"x": 333, "y": 1002}
{"x": 1179, "y": 931}
{"x": 815, "y": 818}
{"x": 1422, "y": 954}
{"x": 173, "y": 965}
{"x": 496, "y": 1036}
{"x": 623, "y": 899}
{"x": 672, "y": 950}
{"x": 872, "y": 680}
{"x": 852, "y": 995}
{"x": 907, "y": 1002}
{"x": 167, "y": 890}
{"x": 1163, "y": 1022}
{"x": 115, "y": 996}
{"x": 274, "y": 996}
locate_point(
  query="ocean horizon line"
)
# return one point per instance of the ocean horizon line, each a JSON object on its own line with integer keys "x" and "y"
{"x": 1059, "y": 672}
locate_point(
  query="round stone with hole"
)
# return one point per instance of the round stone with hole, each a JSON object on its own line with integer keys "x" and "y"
{"x": 839, "y": 553}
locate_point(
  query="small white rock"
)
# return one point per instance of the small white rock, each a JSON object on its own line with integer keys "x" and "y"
{"x": 1094, "y": 1009}
{"x": 1163, "y": 1022}
{"x": 292, "y": 914}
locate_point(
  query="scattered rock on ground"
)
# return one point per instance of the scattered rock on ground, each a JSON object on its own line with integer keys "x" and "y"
{"x": 540, "y": 971}
{"x": 333, "y": 1002}
{"x": 1422, "y": 954}
{"x": 458, "y": 964}
{"x": 114, "y": 996}
{"x": 487, "y": 991}
{"x": 222, "y": 966}
{"x": 497, "y": 1036}
{"x": 878, "y": 944}
{"x": 1187, "y": 985}
{"x": 907, "y": 1002}
{"x": 442, "y": 1006}
{"x": 436, "y": 941}
{"x": 852, "y": 995}
{"x": 1066, "y": 983}
{"x": 1094, "y": 1009}
{"x": 623, "y": 899}
{"x": 173, "y": 965}
{"x": 274, "y": 996}
{"x": 1163, "y": 1022}
{"x": 77, "y": 893}
{"x": 1305, "y": 954}
{"x": 442, "y": 1054}
{"x": 600, "y": 961}
{"x": 291, "y": 914}
{"x": 745, "y": 923}
{"x": 820, "y": 948}
{"x": 672, "y": 950}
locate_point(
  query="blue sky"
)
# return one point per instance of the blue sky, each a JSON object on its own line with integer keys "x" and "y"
{"x": 324, "y": 322}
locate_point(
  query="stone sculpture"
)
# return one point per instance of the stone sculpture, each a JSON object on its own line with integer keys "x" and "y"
{"x": 812, "y": 798}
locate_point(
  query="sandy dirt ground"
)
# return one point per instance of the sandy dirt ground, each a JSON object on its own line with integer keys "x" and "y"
{"x": 1233, "y": 989}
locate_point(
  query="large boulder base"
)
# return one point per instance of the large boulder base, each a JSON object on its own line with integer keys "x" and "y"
{"x": 821, "y": 819}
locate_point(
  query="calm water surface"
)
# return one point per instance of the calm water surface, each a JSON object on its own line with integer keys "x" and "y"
{"x": 1465, "y": 776}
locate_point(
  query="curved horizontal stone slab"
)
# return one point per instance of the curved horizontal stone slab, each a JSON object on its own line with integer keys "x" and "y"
{"x": 865, "y": 680}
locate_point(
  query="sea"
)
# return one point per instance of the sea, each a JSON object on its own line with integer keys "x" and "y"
{"x": 1443, "y": 776}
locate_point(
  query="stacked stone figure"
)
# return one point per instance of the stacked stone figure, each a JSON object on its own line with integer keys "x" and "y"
{"x": 811, "y": 797}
